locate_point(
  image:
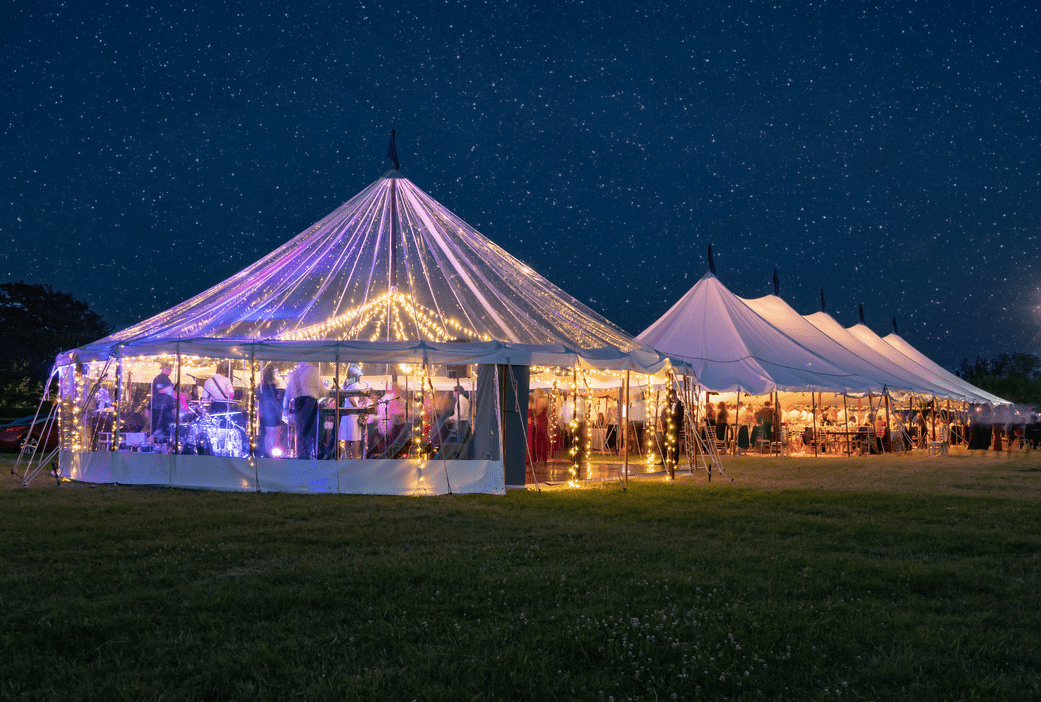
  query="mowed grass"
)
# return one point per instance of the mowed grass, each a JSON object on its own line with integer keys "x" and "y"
{"x": 889, "y": 578}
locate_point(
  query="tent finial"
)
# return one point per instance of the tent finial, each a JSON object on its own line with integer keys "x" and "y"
{"x": 822, "y": 300}
{"x": 392, "y": 151}
{"x": 711, "y": 263}
{"x": 862, "y": 314}
{"x": 777, "y": 284}
{"x": 894, "y": 324}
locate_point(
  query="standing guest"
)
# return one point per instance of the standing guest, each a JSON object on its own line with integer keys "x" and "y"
{"x": 390, "y": 410}
{"x": 881, "y": 425}
{"x": 303, "y": 391}
{"x": 531, "y": 430}
{"x": 353, "y": 425}
{"x": 269, "y": 411}
{"x": 676, "y": 431}
{"x": 722, "y": 418}
{"x": 162, "y": 402}
{"x": 460, "y": 416}
{"x": 541, "y": 443}
{"x": 744, "y": 418}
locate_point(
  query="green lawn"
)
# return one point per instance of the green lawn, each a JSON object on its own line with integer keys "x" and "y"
{"x": 894, "y": 578}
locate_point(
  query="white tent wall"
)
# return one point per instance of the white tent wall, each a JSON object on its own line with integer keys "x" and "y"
{"x": 363, "y": 477}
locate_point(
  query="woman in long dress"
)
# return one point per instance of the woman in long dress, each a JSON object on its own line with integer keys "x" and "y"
{"x": 722, "y": 418}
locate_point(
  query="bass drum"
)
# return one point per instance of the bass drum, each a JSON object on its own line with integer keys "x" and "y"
{"x": 210, "y": 439}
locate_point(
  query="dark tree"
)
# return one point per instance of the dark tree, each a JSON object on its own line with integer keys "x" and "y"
{"x": 1015, "y": 377}
{"x": 37, "y": 323}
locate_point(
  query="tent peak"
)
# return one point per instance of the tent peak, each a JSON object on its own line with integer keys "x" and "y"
{"x": 392, "y": 150}
{"x": 392, "y": 173}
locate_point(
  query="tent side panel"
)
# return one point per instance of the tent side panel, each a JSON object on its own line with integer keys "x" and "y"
{"x": 374, "y": 477}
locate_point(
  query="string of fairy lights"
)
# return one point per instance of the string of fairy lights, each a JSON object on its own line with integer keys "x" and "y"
{"x": 566, "y": 385}
{"x": 426, "y": 322}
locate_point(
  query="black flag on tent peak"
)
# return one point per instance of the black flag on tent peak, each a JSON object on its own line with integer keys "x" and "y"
{"x": 862, "y": 314}
{"x": 822, "y": 300}
{"x": 894, "y": 325}
{"x": 777, "y": 284}
{"x": 392, "y": 151}
{"x": 711, "y": 263}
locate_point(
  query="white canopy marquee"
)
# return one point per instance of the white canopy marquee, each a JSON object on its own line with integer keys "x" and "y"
{"x": 731, "y": 347}
{"x": 951, "y": 379}
{"x": 390, "y": 279}
{"x": 761, "y": 345}
{"x": 390, "y": 276}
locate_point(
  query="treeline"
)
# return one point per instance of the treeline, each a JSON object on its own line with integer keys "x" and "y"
{"x": 1015, "y": 377}
{"x": 36, "y": 324}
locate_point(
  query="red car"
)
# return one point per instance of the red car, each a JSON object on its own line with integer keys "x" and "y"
{"x": 14, "y": 433}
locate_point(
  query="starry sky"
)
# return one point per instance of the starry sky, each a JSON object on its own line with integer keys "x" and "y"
{"x": 887, "y": 152}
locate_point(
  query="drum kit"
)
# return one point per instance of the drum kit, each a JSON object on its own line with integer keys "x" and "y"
{"x": 213, "y": 433}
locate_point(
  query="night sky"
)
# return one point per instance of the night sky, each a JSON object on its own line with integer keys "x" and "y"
{"x": 887, "y": 152}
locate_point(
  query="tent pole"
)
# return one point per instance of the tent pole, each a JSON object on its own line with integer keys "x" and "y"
{"x": 177, "y": 406}
{"x": 845, "y": 415}
{"x": 813, "y": 402}
{"x": 949, "y": 420}
{"x": 778, "y": 423}
{"x": 910, "y": 409}
{"x": 888, "y": 431}
{"x": 116, "y": 425}
{"x": 934, "y": 417}
{"x": 625, "y": 427}
{"x": 737, "y": 423}
{"x": 336, "y": 409}
{"x": 253, "y": 406}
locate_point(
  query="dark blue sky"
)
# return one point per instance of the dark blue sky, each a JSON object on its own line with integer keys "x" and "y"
{"x": 887, "y": 152}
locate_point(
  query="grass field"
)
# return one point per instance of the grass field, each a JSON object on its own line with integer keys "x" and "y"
{"x": 883, "y": 578}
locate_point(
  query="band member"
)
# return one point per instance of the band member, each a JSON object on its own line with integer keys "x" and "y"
{"x": 162, "y": 410}
{"x": 218, "y": 389}
{"x": 303, "y": 391}
{"x": 353, "y": 426}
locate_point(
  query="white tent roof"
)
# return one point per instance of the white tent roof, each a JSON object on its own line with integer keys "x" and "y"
{"x": 903, "y": 378}
{"x": 391, "y": 275}
{"x": 944, "y": 389}
{"x": 874, "y": 368}
{"x": 730, "y": 347}
{"x": 921, "y": 359}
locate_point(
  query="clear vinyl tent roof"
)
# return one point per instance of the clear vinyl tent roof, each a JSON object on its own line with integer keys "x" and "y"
{"x": 390, "y": 265}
